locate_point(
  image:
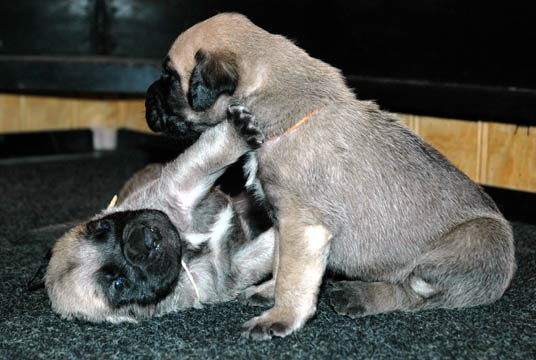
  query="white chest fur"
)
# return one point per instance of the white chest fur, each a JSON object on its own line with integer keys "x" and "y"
{"x": 253, "y": 182}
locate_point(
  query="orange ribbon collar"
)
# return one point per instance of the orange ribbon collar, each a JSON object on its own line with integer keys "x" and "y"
{"x": 295, "y": 126}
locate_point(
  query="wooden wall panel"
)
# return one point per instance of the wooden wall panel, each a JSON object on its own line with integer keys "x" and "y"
{"x": 456, "y": 139}
{"x": 409, "y": 120}
{"x": 21, "y": 113}
{"x": 95, "y": 113}
{"x": 133, "y": 115}
{"x": 9, "y": 113}
{"x": 511, "y": 156}
{"x": 43, "y": 113}
{"x": 494, "y": 154}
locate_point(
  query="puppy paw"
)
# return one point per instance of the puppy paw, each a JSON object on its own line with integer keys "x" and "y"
{"x": 259, "y": 295}
{"x": 256, "y": 300}
{"x": 348, "y": 298}
{"x": 245, "y": 125}
{"x": 278, "y": 321}
{"x": 261, "y": 328}
{"x": 264, "y": 330}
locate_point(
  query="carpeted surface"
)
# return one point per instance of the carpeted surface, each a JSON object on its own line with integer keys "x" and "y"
{"x": 39, "y": 193}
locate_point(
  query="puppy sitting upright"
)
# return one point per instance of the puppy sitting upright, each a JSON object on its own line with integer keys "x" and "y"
{"x": 350, "y": 187}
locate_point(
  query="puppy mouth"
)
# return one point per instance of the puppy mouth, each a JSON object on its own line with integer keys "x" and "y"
{"x": 156, "y": 117}
{"x": 175, "y": 126}
{"x": 162, "y": 109}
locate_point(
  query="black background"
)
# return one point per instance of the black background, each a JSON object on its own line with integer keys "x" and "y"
{"x": 466, "y": 59}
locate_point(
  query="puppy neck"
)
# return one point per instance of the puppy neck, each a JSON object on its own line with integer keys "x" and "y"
{"x": 295, "y": 126}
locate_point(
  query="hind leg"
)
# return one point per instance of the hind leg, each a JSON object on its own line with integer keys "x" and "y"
{"x": 471, "y": 265}
{"x": 358, "y": 298}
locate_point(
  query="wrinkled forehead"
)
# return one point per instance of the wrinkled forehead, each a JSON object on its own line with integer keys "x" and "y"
{"x": 182, "y": 52}
{"x": 181, "y": 56}
{"x": 121, "y": 215}
{"x": 216, "y": 33}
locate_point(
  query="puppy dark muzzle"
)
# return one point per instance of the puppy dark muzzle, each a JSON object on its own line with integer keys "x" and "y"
{"x": 142, "y": 243}
{"x": 155, "y": 114}
{"x": 149, "y": 240}
{"x": 165, "y": 106}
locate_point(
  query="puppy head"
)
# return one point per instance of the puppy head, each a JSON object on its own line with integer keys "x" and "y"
{"x": 172, "y": 110}
{"x": 227, "y": 59}
{"x": 206, "y": 70}
{"x": 115, "y": 268}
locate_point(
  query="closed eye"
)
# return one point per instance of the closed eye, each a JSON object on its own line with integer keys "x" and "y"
{"x": 100, "y": 230}
{"x": 168, "y": 73}
{"x": 165, "y": 63}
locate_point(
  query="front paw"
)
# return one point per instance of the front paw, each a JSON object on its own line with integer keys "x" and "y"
{"x": 245, "y": 125}
{"x": 279, "y": 321}
{"x": 261, "y": 328}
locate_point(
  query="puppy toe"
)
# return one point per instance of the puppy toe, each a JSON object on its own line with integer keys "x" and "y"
{"x": 239, "y": 114}
{"x": 258, "y": 329}
{"x": 255, "y": 330}
{"x": 347, "y": 299}
{"x": 245, "y": 125}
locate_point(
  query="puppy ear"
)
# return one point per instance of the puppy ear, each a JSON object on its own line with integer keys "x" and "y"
{"x": 213, "y": 75}
{"x": 37, "y": 282}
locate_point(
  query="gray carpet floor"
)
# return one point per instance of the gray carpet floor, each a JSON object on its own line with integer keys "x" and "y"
{"x": 35, "y": 194}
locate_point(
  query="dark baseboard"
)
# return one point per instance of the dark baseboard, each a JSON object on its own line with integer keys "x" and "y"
{"x": 45, "y": 143}
{"x": 78, "y": 75}
{"x": 65, "y": 143}
{"x": 515, "y": 205}
{"x": 449, "y": 100}
{"x": 112, "y": 77}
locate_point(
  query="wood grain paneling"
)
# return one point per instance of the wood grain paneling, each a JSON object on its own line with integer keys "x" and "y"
{"x": 133, "y": 115}
{"x": 21, "y": 113}
{"x": 44, "y": 113}
{"x": 92, "y": 113}
{"x": 409, "y": 120}
{"x": 456, "y": 139}
{"x": 10, "y": 115}
{"x": 511, "y": 156}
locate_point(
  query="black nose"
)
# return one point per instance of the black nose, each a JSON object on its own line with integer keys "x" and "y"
{"x": 141, "y": 241}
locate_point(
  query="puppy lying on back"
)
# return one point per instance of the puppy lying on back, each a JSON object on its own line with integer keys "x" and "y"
{"x": 125, "y": 263}
{"x": 350, "y": 187}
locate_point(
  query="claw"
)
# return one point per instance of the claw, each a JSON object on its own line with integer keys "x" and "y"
{"x": 244, "y": 122}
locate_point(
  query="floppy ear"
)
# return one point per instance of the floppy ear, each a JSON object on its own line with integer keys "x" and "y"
{"x": 214, "y": 74}
{"x": 37, "y": 282}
